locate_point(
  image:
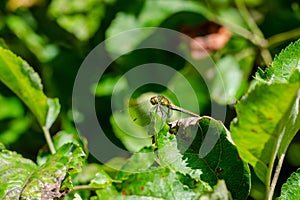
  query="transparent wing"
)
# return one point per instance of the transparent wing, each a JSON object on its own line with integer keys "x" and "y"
{"x": 143, "y": 112}
{"x": 140, "y": 113}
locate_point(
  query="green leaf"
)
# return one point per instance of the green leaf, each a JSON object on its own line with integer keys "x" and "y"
{"x": 14, "y": 122}
{"x": 60, "y": 139}
{"x": 14, "y": 173}
{"x": 109, "y": 193}
{"x": 198, "y": 84}
{"x": 11, "y": 107}
{"x": 101, "y": 180}
{"x": 133, "y": 137}
{"x": 2, "y": 147}
{"x": 136, "y": 197}
{"x": 160, "y": 9}
{"x": 159, "y": 183}
{"x": 261, "y": 125}
{"x": 17, "y": 75}
{"x": 139, "y": 162}
{"x": 226, "y": 85}
{"x": 291, "y": 189}
{"x": 53, "y": 111}
{"x": 88, "y": 173}
{"x": 81, "y": 18}
{"x": 283, "y": 65}
{"x": 210, "y": 149}
{"x": 14, "y": 129}
{"x": 20, "y": 178}
{"x": 293, "y": 156}
{"x": 3, "y": 44}
{"x": 37, "y": 44}
{"x": 107, "y": 85}
{"x": 220, "y": 192}
{"x": 172, "y": 179}
{"x": 268, "y": 116}
{"x": 169, "y": 155}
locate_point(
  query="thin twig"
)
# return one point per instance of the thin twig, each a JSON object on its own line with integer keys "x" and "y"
{"x": 248, "y": 18}
{"x": 281, "y": 37}
{"x": 84, "y": 187}
{"x": 237, "y": 29}
{"x": 275, "y": 177}
{"x": 49, "y": 140}
{"x": 266, "y": 55}
{"x": 88, "y": 187}
{"x": 258, "y": 36}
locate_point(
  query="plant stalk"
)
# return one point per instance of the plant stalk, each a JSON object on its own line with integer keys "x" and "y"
{"x": 248, "y": 18}
{"x": 281, "y": 37}
{"x": 84, "y": 187}
{"x": 237, "y": 29}
{"x": 49, "y": 140}
{"x": 258, "y": 36}
{"x": 275, "y": 177}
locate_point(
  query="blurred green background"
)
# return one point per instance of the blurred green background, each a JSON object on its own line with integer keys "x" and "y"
{"x": 54, "y": 37}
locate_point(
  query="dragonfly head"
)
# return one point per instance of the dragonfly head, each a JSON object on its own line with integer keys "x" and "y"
{"x": 154, "y": 100}
{"x": 161, "y": 100}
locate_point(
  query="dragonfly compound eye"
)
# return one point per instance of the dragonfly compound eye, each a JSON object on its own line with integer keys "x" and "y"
{"x": 154, "y": 100}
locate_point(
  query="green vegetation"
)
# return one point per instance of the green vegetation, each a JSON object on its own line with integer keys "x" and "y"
{"x": 248, "y": 69}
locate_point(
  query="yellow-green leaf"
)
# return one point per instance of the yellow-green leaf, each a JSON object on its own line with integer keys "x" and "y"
{"x": 17, "y": 75}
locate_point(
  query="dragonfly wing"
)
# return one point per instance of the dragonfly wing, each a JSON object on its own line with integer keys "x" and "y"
{"x": 139, "y": 114}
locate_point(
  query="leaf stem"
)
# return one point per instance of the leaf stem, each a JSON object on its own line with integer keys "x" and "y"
{"x": 84, "y": 187}
{"x": 49, "y": 140}
{"x": 281, "y": 37}
{"x": 248, "y": 18}
{"x": 235, "y": 28}
{"x": 239, "y": 30}
{"x": 275, "y": 177}
{"x": 258, "y": 36}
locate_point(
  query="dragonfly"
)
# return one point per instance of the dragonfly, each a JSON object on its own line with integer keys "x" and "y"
{"x": 160, "y": 107}
{"x": 145, "y": 116}
{"x": 142, "y": 118}
{"x": 160, "y": 101}
{"x": 159, "y": 104}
